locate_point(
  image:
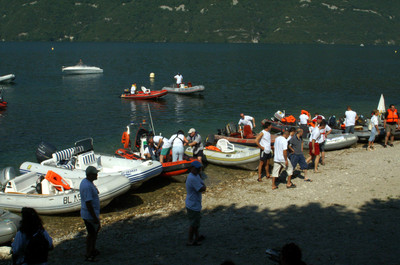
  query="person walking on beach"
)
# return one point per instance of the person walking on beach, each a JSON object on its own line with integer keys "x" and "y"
{"x": 390, "y": 122}
{"x": 322, "y": 140}
{"x": 195, "y": 141}
{"x": 177, "y": 141}
{"x": 281, "y": 161}
{"x": 297, "y": 157}
{"x": 32, "y": 243}
{"x": 374, "y": 130}
{"x": 246, "y": 120}
{"x": 194, "y": 188}
{"x": 263, "y": 141}
{"x": 350, "y": 121}
{"x": 179, "y": 79}
{"x": 314, "y": 146}
{"x": 90, "y": 211}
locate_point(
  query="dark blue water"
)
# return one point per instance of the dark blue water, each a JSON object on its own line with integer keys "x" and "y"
{"x": 255, "y": 79}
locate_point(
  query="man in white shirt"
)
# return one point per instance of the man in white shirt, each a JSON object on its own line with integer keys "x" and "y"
{"x": 314, "y": 146}
{"x": 304, "y": 119}
{"x": 281, "y": 160}
{"x": 246, "y": 120}
{"x": 322, "y": 140}
{"x": 263, "y": 141}
{"x": 350, "y": 121}
{"x": 179, "y": 79}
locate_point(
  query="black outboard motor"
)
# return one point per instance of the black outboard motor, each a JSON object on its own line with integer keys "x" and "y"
{"x": 332, "y": 121}
{"x": 44, "y": 151}
{"x": 210, "y": 140}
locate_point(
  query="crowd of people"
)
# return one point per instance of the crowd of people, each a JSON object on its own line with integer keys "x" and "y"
{"x": 288, "y": 147}
{"x": 159, "y": 147}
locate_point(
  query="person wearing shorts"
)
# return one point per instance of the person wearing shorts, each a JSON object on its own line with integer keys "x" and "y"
{"x": 350, "y": 121}
{"x": 263, "y": 141}
{"x": 314, "y": 146}
{"x": 390, "y": 124}
{"x": 195, "y": 141}
{"x": 374, "y": 130}
{"x": 166, "y": 147}
{"x": 297, "y": 157}
{"x": 281, "y": 161}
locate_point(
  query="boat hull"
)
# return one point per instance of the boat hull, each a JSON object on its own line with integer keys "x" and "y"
{"x": 244, "y": 157}
{"x": 108, "y": 187}
{"x": 5, "y": 79}
{"x": 81, "y": 70}
{"x": 185, "y": 90}
{"x": 337, "y": 141}
{"x": 141, "y": 95}
{"x": 9, "y": 224}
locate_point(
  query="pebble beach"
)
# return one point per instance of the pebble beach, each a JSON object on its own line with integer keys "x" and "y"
{"x": 348, "y": 214}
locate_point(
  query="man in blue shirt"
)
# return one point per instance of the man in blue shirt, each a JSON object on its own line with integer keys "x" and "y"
{"x": 90, "y": 211}
{"x": 194, "y": 188}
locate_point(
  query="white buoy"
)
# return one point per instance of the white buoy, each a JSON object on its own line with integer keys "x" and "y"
{"x": 152, "y": 75}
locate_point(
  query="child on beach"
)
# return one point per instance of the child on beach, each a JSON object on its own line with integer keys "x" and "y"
{"x": 374, "y": 130}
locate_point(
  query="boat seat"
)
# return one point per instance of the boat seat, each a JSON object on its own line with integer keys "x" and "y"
{"x": 145, "y": 90}
{"x": 22, "y": 184}
{"x": 65, "y": 154}
{"x": 225, "y": 146}
{"x": 87, "y": 159}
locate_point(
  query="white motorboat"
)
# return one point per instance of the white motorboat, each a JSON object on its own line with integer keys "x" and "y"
{"x": 7, "y": 78}
{"x": 81, "y": 69}
{"x": 48, "y": 196}
{"x": 72, "y": 162}
{"x": 336, "y": 141}
{"x": 184, "y": 89}
{"x": 9, "y": 224}
{"x": 231, "y": 155}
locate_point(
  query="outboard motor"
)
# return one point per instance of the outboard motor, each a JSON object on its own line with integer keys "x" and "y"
{"x": 231, "y": 128}
{"x": 44, "y": 151}
{"x": 332, "y": 121}
{"x": 6, "y": 174}
{"x": 210, "y": 140}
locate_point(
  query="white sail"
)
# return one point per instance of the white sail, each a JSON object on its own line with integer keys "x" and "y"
{"x": 381, "y": 105}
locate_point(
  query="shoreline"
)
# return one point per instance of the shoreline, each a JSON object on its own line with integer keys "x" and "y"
{"x": 348, "y": 214}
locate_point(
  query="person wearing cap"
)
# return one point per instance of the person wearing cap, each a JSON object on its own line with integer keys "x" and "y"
{"x": 90, "y": 211}
{"x": 179, "y": 79}
{"x": 350, "y": 120}
{"x": 195, "y": 141}
{"x": 194, "y": 188}
{"x": 177, "y": 141}
{"x": 315, "y": 152}
{"x": 246, "y": 120}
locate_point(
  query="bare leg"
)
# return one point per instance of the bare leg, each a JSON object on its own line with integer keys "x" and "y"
{"x": 267, "y": 169}
{"x": 391, "y": 139}
{"x": 289, "y": 181}
{"x": 260, "y": 168}
{"x": 316, "y": 161}
{"x": 273, "y": 183}
{"x": 387, "y": 137}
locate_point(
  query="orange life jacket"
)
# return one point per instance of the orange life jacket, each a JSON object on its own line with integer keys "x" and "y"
{"x": 56, "y": 179}
{"x": 125, "y": 139}
{"x": 289, "y": 119}
{"x": 213, "y": 148}
{"x": 392, "y": 115}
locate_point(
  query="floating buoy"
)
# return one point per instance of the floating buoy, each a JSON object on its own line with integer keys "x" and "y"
{"x": 52, "y": 48}
{"x": 152, "y": 75}
{"x": 395, "y": 51}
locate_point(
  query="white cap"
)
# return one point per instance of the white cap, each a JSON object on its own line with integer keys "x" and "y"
{"x": 192, "y": 130}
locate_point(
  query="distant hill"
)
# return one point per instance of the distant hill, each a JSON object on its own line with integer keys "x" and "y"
{"x": 230, "y": 21}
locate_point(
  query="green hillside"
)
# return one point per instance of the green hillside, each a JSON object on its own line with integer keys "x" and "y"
{"x": 235, "y": 21}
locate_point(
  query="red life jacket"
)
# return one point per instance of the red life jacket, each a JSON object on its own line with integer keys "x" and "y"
{"x": 392, "y": 115}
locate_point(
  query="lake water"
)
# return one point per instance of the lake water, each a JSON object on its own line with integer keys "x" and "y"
{"x": 257, "y": 80}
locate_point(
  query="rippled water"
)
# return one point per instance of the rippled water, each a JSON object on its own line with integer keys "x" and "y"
{"x": 254, "y": 79}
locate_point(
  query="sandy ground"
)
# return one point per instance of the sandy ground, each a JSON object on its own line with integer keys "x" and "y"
{"x": 349, "y": 214}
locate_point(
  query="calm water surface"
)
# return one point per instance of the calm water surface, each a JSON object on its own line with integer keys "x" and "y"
{"x": 255, "y": 79}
